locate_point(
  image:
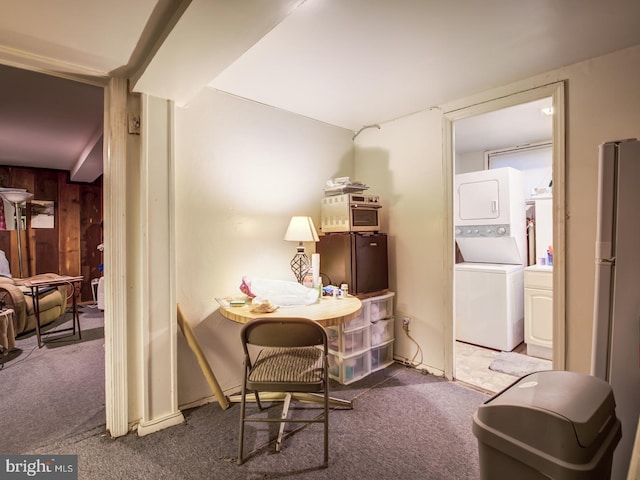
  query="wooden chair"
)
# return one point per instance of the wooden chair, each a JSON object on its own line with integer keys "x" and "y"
{"x": 289, "y": 362}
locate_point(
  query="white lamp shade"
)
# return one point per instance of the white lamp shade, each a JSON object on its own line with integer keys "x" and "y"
{"x": 301, "y": 229}
{"x": 16, "y": 196}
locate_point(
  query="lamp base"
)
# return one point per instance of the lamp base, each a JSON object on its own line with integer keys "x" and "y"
{"x": 300, "y": 265}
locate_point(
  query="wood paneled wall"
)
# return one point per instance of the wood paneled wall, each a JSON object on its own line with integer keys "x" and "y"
{"x": 70, "y": 248}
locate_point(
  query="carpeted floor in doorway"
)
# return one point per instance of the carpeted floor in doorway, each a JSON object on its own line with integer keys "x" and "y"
{"x": 56, "y": 391}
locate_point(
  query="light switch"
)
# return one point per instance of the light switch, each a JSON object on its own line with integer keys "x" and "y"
{"x": 134, "y": 124}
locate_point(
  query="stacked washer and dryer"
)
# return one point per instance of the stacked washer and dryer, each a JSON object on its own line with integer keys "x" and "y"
{"x": 490, "y": 231}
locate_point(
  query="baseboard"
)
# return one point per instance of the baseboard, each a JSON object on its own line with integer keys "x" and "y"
{"x": 145, "y": 428}
{"x": 198, "y": 403}
{"x": 209, "y": 399}
{"x": 421, "y": 366}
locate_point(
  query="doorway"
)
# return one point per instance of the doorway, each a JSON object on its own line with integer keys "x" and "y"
{"x": 56, "y": 116}
{"x": 515, "y": 123}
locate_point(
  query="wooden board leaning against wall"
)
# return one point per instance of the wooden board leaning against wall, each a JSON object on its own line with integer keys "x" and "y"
{"x": 70, "y": 247}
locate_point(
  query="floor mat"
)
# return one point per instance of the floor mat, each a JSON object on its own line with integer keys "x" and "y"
{"x": 517, "y": 365}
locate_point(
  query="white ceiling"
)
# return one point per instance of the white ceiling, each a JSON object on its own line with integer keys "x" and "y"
{"x": 51, "y": 121}
{"x": 510, "y": 127}
{"x": 82, "y": 36}
{"x": 356, "y": 62}
{"x": 348, "y": 63}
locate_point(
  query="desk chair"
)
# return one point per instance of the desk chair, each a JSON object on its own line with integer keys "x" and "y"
{"x": 288, "y": 362}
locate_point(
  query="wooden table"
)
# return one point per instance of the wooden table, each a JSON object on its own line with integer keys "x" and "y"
{"x": 328, "y": 312}
{"x": 36, "y": 285}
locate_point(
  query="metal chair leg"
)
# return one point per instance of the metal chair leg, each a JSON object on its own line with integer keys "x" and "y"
{"x": 326, "y": 415}
{"x": 242, "y": 416}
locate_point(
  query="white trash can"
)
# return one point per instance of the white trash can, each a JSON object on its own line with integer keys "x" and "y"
{"x": 550, "y": 424}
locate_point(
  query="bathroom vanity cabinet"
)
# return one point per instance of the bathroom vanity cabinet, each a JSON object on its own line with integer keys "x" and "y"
{"x": 538, "y": 310}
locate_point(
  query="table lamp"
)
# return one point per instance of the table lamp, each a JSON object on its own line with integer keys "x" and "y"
{"x": 301, "y": 229}
{"x": 17, "y": 197}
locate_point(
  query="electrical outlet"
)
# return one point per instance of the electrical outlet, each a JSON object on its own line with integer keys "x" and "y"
{"x": 406, "y": 321}
{"x": 134, "y": 124}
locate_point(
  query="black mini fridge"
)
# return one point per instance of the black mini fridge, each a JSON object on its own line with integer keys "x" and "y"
{"x": 357, "y": 259}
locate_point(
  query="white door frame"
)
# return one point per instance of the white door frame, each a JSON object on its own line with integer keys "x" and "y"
{"x": 481, "y": 106}
{"x": 115, "y": 256}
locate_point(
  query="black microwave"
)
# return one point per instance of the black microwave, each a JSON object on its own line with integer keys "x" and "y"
{"x": 350, "y": 212}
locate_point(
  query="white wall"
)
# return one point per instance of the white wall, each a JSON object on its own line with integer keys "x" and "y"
{"x": 404, "y": 162}
{"x": 603, "y": 104}
{"x": 242, "y": 170}
{"x": 469, "y": 162}
{"x": 536, "y": 164}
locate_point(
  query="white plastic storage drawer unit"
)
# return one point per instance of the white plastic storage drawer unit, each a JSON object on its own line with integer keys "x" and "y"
{"x": 381, "y": 331}
{"x": 347, "y": 342}
{"x": 348, "y": 369}
{"x": 360, "y": 321}
{"x": 380, "y": 307}
{"x": 364, "y": 344}
{"x": 381, "y": 356}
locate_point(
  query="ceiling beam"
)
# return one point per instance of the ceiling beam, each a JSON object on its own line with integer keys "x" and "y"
{"x": 163, "y": 19}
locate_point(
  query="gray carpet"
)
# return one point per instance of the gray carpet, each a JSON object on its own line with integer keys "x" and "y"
{"x": 405, "y": 425}
{"x": 56, "y": 391}
{"x": 518, "y": 365}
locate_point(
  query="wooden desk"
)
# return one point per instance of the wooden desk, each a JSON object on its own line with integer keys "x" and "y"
{"x": 36, "y": 285}
{"x": 328, "y": 312}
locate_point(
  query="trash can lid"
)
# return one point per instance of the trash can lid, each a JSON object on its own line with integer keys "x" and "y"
{"x": 583, "y": 401}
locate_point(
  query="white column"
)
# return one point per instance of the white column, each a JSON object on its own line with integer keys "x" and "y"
{"x": 158, "y": 389}
{"x": 115, "y": 257}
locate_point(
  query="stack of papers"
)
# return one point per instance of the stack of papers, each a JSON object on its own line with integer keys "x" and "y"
{"x": 340, "y": 185}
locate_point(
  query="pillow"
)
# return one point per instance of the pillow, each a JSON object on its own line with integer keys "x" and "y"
{"x": 5, "y": 271}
